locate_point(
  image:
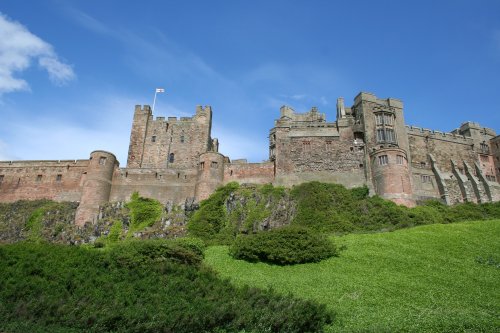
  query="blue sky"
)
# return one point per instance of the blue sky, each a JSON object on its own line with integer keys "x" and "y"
{"x": 72, "y": 71}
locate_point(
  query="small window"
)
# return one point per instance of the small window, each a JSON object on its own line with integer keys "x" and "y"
{"x": 171, "y": 158}
{"x": 426, "y": 179}
{"x": 58, "y": 178}
{"x": 231, "y": 173}
{"x": 328, "y": 142}
{"x": 153, "y": 138}
{"x": 1, "y": 178}
{"x": 422, "y": 164}
{"x": 39, "y": 178}
{"x": 383, "y": 160}
{"x": 389, "y": 135}
{"x": 214, "y": 165}
{"x": 182, "y": 138}
{"x": 202, "y": 165}
{"x": 400, "y": 159}
{"x": 380, "y": 135}
{"x": 102, "y": 160}
{"x": 388, "y": 119}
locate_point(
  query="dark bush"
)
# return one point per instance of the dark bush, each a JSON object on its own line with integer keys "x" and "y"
{"x": 136, "y": 287}
{"x": 284, "y": 246}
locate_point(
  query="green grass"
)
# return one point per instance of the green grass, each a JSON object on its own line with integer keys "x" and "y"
{"x": 425, "y": 279}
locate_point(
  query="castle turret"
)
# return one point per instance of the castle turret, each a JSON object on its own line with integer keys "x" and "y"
{"x": 387, "y": 143}
{"x": 96, "y": 186}
{"x": 391, "y": 176}
{"x": 210, "y": 174}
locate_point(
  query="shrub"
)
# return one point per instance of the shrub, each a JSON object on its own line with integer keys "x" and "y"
{"x": 212, "y": 216}
{"x": 284, "y": 246}
{"x": 323, "y": 207}
{"x": 48, "y": 288}
{"x": 144, "y": 252}
{"x": 197, "y": 245}
{"x": 144, "y": 212}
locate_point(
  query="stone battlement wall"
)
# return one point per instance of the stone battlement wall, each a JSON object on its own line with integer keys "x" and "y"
{"x": 32, "y": 180}
{"x": 438, "y": 135}
{"x": 164, "y": 185}
{"x": 256, "y": 173}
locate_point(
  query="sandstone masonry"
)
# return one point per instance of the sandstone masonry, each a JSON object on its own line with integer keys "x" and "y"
{"x": 177, "y": 161}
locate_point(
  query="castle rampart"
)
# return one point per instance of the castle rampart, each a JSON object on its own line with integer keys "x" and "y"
{"x": 176, "y": 160}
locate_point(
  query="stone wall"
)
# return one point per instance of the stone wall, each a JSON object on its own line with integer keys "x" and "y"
{"x": 253, "y": 173}
{"x": 32, "y": 180}
{"x": 443, "y": 146}
{"x": 495, "y": 150}
{"x": 164, "y": 185}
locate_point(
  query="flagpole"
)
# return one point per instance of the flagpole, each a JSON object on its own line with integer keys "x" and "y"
{"x": 157, "y": 90}
{"x": 154, "y": 101}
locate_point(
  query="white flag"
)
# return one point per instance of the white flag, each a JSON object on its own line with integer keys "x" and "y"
{"x": 160, "y": 90}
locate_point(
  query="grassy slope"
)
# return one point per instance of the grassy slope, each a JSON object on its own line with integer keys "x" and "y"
{"x": 420, "y": 279}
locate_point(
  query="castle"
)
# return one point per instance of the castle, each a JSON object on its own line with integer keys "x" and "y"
{"x": 177, "y": 160}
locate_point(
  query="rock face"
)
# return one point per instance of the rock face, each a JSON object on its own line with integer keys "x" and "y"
{"x": 251, "y": 210}
{"x": 44, "y": 220}
{"x": 248, "y": 208}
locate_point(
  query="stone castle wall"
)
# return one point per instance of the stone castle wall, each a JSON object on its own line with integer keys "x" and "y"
{"x": 32, "y": 180}
{"x": 177, "y": 161}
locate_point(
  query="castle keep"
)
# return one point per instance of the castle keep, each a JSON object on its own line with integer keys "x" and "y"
{"x": 177, "y": 160}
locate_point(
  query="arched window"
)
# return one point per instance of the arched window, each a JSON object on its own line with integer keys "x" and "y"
{"x": 171, "y": 158}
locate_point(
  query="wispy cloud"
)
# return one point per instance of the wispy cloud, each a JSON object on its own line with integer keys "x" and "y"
{"x": 50, "y": 137}
{"x": 18, "y": 47}
{"x": 3, "y": 152}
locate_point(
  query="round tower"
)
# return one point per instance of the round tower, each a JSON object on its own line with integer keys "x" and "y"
{"x": 210, "y": 174}
{"x": 391, "y": 175}
{"x": 96, "y": 186}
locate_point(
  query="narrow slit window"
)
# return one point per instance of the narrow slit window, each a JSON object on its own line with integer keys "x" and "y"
{"x": 102, "y": 160}
{"x": 59, "y": 178}
{"x": 39, "y": 178}
{"x": 399, "y": 159}
{"x": 171, "y": 158}
{"x": 1, "y": 178}
{"x": 153, "y": 138}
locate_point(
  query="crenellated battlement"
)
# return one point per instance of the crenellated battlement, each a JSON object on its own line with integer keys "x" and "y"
{"x": 452, "y": 137}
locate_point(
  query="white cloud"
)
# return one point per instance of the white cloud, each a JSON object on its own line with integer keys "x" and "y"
{"x": 18, "y": 47}
{"x": 52, "y": 138}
